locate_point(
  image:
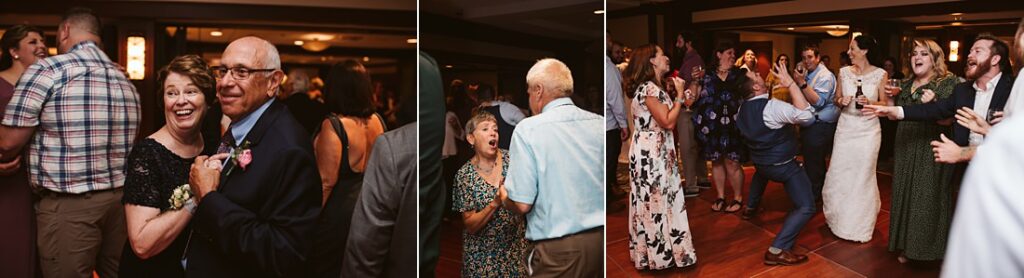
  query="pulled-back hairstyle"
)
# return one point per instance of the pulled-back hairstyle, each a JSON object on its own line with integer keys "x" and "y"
{"x": 10, "y": 40}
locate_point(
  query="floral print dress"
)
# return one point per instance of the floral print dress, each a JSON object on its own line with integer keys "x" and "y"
{"x": 659, "y": 232}
{"x": 714, "y": 118}
{"x": 499, "y": 248}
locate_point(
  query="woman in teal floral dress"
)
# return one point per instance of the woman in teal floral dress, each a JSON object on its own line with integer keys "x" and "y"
{"x": 493, "y": 242}
{"x": 922, "y": 190}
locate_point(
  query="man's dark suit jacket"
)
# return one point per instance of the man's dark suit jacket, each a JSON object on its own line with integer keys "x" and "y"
{"x": 259, "y": 222}
{"x": 382, "y": 237}
{"x": 963, "y": 96}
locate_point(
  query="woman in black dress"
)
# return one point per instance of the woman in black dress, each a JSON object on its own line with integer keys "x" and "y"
{"x": 158, "y": 167}
{"x": 343, "y": 146}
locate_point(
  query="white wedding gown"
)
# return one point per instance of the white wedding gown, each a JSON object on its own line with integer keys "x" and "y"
{"x": 850, "y": 194}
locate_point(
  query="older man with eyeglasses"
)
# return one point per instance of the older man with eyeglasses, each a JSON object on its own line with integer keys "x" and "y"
{"x": 259, "y": 197}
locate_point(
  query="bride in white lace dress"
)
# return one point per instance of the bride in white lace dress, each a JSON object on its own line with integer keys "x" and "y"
{"x": 850, "y": 194}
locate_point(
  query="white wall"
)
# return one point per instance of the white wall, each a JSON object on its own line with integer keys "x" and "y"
{"x": 832, "y": 48}
{"x": 631, "y": 31}
{"x": 781, "y": 43}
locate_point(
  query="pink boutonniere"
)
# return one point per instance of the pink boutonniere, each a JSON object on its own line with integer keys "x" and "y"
{"x": 244, "y": 158}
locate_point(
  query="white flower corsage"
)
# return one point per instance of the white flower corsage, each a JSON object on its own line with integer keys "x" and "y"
{"x": 180, "y": 196}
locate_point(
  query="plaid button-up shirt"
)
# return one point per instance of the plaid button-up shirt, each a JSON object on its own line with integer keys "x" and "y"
{"x": 86, "y": 113}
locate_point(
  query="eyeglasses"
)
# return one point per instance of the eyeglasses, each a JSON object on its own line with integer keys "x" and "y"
{"x": 238, "y": 73}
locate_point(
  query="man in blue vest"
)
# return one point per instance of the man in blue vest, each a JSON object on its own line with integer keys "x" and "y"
{"x": 767, "y": 126}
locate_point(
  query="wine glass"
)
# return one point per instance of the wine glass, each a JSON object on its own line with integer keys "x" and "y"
{"x": 892, "y": 87}
{"x": 688, "y": 100}
{"x": 698, "y": 72}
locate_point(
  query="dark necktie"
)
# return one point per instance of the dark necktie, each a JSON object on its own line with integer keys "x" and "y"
{"x": 227, "y": 143}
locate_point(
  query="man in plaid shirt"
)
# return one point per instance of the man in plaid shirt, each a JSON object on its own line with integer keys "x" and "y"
{"x": 77, "y": 114}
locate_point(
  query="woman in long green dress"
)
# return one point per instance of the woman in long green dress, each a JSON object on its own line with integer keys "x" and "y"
{"x": 922, "y": 193}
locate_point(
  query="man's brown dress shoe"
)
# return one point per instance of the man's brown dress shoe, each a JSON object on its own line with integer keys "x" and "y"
{"x": 783, "y": 258}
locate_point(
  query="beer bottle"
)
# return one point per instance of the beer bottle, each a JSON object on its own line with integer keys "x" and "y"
{"x": 858, "y": 95}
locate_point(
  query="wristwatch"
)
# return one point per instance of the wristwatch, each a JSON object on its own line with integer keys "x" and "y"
{"x": 804, "y": 86}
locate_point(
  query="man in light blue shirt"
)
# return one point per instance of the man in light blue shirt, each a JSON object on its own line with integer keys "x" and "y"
{"x": 819, "y": 87}
{"x": 556, "y": 175}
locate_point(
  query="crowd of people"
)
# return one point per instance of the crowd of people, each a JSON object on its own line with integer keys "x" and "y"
{"x": 819, "y": 134}
{"x": 301, "y": 183}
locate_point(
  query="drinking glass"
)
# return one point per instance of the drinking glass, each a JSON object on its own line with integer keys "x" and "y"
{"x": 992, "y": 114}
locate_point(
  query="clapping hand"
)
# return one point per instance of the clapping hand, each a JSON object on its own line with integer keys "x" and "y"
{"x": 966, "y": 117}
{"x": 678, "y": 84}
{"x": 927, "y": 96}
{"x": 502, "y": 193}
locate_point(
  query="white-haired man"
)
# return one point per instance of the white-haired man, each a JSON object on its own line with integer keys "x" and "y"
{"x": 556, "y": 177}
{"x": 258, "y": 209}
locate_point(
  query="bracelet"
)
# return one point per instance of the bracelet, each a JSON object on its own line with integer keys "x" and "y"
{"x": 191, "y": 205}
{"x": 804, "y": 86}
{"x": 680, "y": 101}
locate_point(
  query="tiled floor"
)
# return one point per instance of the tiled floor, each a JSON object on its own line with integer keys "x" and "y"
{"x": 728, "y": 246}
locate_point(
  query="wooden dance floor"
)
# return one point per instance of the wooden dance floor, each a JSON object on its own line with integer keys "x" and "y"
{"x": 728, "y": 246}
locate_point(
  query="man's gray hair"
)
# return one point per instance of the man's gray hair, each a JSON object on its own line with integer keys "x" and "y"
{"x": 552, "y": 75}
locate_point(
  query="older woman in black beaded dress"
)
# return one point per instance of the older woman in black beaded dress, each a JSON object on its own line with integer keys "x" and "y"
{"x": 158, "y": 165}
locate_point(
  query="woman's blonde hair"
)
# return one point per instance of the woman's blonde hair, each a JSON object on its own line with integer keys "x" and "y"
{"x": 1018, "y": 48}
{"x": 939, "y": 69}
{"x": 477, "y": 118}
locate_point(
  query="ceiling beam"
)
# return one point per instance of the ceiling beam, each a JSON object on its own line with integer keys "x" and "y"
{"x": 163, "y": 11}
{"x": 458, "y": 28}
{"x": 331, "y": 51}
{"x": 979, "y": 6}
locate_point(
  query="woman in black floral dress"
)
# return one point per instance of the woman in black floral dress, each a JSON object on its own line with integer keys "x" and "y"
{"x": 158, "y": 165}
{"x": 659, "y": 232}
{"x": 494, "y": 243}
{"x": 715, "y": 121}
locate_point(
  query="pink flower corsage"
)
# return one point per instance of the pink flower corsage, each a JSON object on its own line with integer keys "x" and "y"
{"x": 244, "y": 158}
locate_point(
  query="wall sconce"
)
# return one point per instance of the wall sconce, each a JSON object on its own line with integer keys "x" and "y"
{"x": 954, "y": 51}
{"x": 136, "y": 58}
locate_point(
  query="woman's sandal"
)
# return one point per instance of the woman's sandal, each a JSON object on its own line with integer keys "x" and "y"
{"x": 738, "y": 204}
{"x": 718, "y": 205}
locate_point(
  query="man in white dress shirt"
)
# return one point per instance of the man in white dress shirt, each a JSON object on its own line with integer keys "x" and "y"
{"x": 767, "y": 127}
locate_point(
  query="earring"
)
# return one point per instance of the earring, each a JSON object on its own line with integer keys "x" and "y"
{"x": 16, "y": 57}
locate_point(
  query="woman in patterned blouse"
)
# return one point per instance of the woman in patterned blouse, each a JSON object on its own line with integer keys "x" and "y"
{"x": 494, "y": 243}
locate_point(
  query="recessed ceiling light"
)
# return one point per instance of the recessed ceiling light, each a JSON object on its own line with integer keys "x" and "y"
{"x": 791, "y": 28}
{"x": 216, "y": 33}
{"x": 411, "y": 41}
{"x": 957, "y": 23}
{"x": 956, "y": 14}
{"x": 448, "y": 66}
{"x": 299, "y": 43}
{"x": 598, "y": 11}
{"x": 366, "y": 59}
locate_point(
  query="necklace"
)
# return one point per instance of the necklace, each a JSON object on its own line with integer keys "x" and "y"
{"x": 486, "y": 171}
